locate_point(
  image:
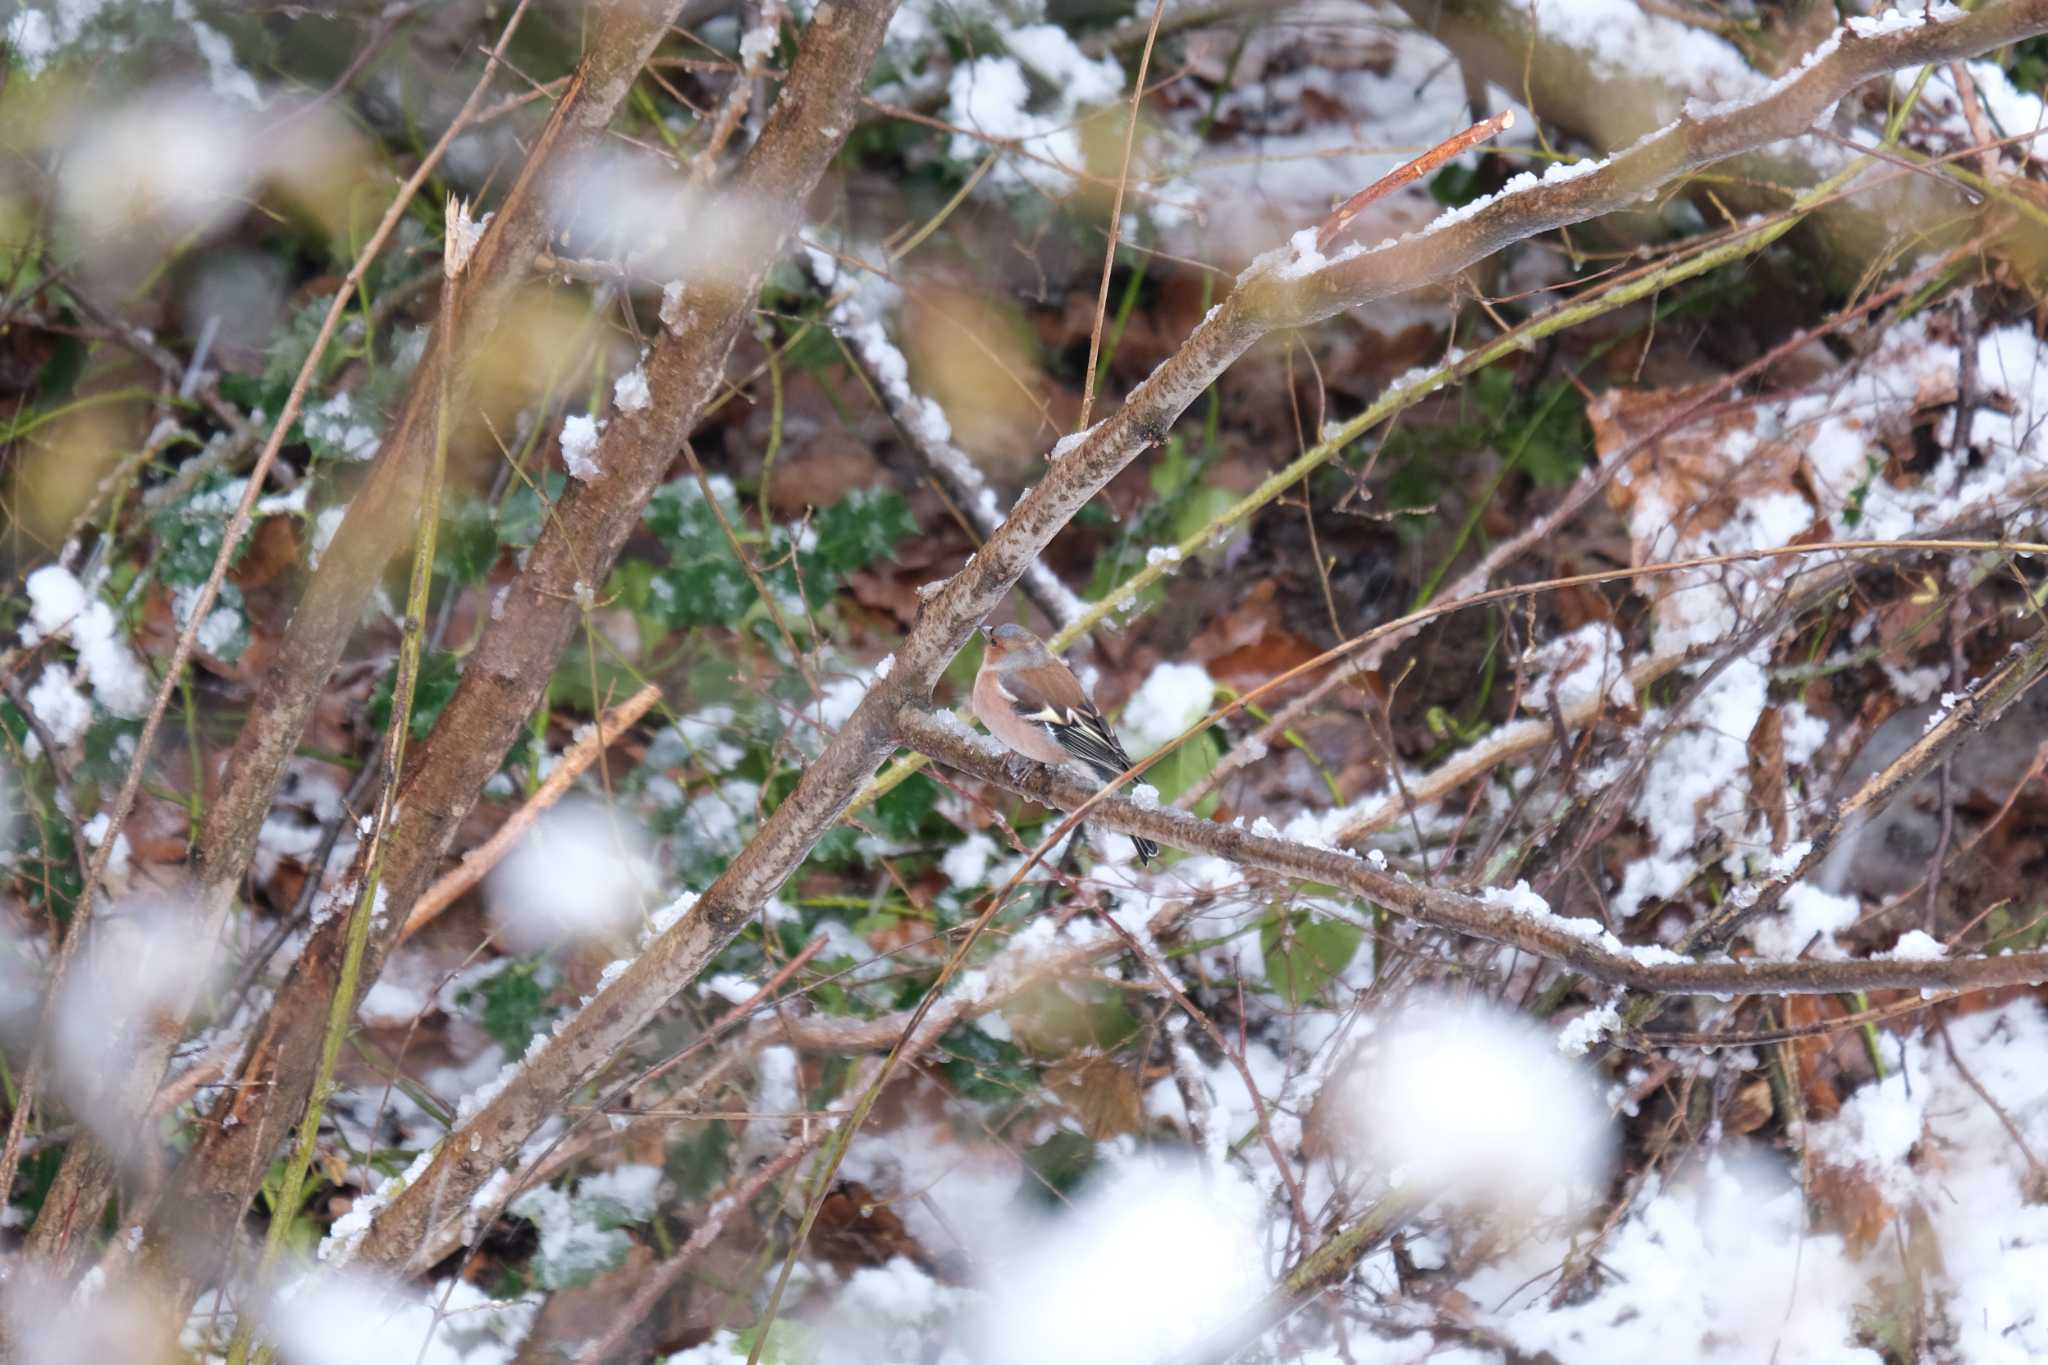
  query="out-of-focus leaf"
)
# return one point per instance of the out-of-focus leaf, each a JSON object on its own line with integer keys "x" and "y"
{"x": 854, "y": 532}
{"x": 468, "y": 544}
{"x": 440, "y": 671}
{"x": 1304, "y": 954}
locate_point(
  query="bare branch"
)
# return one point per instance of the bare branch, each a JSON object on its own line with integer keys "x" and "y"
{"x": 1580, "y": 944}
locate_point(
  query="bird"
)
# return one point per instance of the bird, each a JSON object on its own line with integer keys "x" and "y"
{"x": 1030, "y": 700}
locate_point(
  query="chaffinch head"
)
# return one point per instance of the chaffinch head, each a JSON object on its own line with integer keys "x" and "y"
{"x": 1030, "y": 700}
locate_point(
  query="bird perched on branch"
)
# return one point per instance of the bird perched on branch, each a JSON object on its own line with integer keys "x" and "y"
{"x": 1030, "y": 700}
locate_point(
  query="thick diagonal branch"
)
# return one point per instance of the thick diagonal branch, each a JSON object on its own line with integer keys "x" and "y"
{"x": 217, "y": 1179}
{"x": 508, "y": 671}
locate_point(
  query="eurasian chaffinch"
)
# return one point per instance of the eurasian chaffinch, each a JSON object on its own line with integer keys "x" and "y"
{"x": 1032, "y": 701}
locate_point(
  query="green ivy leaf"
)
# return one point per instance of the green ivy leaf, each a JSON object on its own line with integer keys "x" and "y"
{"x": 703, "y": 583}
{"x": 190, "y": 532}
{"x": 1059, "y": 1163}
{"x": 854, "y": 532}
{"x": 905, "y": 811}
{"x": 468, "y": 544}
{"x": 513, "y": 1006}
{"x": 982, "y": 1067}
{"x": 524, "y": 514}
{"x": 440, "y": 671}
{"x": 1304, "y": 954}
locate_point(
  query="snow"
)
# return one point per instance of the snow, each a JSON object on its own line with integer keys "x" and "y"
{"x": 95, "y": 832}
{"x": 1917, "y": 945}
{"x": 1900, "y": 21}
{"x": 1517, "y": 1125}
{"x": 757, "y": 46}
{"x": 579, "y": 446}
{"x": 1172, "y": 697}
{"x": 629, "y": 393}
{"x": 335, "y": 424}
{"x": 581, "y": 875}
{"x": 1716, "y": 1265}
{"x": 1071, "y": 442}
{"x": 1804, "y": 912}
{"x": 32, "y": 40}
{"x": 1578, "y": 666}
{"x": 634, "y": 1188}
{"x": 59, "y": 601}
{"x": 223, "y": 75}
{"x": 1627, "y": 41}
{"x": 729, "y": 987}
{"x": 992, "y": 96}
{"x": 965, "y": 864}
{"x": 1696, "y": 783}
{"x": 60, "y": 706}
{"x": 672, "y": 313}
{"x": 1577, "y": 1037}
{"x": 841, "y": 697}
{"x": 1154, "y": 1263}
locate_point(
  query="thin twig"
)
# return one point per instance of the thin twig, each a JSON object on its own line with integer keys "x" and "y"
{"x": 1116, "y": 220}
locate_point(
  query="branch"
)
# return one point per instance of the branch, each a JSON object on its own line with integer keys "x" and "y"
{"x": 1275, "y": 294}
{"x": 511, "y": 665}
{"x": 236, "y": 817}
{"x": 1307, "y": 290}
{"x": 1513, "y": 920}
{"x": 1981, "y": 704}
{"x": 218, "y": 1178}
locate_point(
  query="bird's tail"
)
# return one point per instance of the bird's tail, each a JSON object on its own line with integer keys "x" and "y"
{"x": 1147, "y": 850}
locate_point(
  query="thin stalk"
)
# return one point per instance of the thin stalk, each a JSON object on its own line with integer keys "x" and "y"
{"x": 341, "y": 1008}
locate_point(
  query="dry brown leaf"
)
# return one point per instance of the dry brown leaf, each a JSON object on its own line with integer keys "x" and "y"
{"x": 1748, "y": 1108}
{"x": 1807, "y": 1057}
{"x": 1767, "y": 772}
{"x": 1098, "y": 1091}
{"x": 1848, "y": 1202}
{"x": 1701, "y": 473}
{"x": 855, "y": 1229}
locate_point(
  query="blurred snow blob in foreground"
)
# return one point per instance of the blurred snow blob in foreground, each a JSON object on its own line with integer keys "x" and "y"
{"x": 349, "y": 1320}
{"x": 640, "y": 211}
{"x": 1455, "y": 1099}
{"x": 47, "y": 1325}
{"x": 143, "y": 966}
{"x": 1153, "y": 1263}
{"x": 581, "y": 874}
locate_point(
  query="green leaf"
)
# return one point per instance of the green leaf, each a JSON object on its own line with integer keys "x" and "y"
{"x": 854, "y": 532}
{"x": 1455, "y": 185}
{"x": 1059, "y": 1163}
{"x": 514, "y": 1005}
{"x": 1198, "y": 509}
{"x": 189, "y": 533}
{"x": 1186, "y": 766}
{"x": 787, "y": 1343}
{"x": 1304, "y": 954}
{"x": 468, "y": 544}
{"x": 982, "y": 1067}
{"x": 703, "y": 583}
{"x": 905, "y": 811}
{"x": 439, "y": 673}
{"x": 523, "y": 515}
{"x": 1172, "y": 470}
